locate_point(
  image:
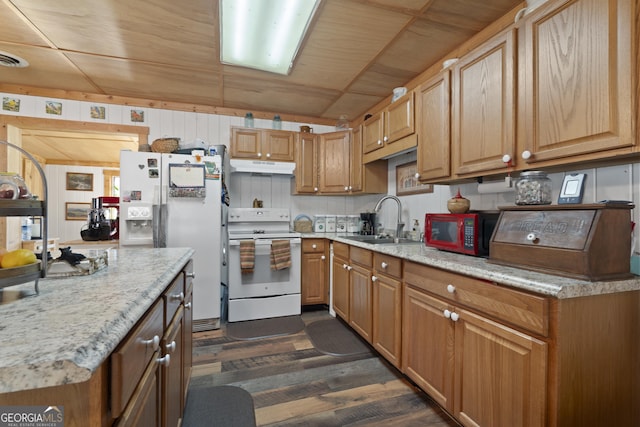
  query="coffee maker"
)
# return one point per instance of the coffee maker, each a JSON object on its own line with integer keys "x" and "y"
{"x": 368, "y": 223}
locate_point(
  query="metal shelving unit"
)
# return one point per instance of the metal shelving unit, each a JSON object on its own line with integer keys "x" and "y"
{"x": 26, "y": 207}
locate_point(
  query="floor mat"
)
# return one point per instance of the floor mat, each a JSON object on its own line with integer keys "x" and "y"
{"x": 264, "y": 328}
{"x": 224, "y": 405}
{"x": 331, "y": 336}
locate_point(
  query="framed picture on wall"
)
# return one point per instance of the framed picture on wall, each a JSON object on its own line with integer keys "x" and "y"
{"x": 76, "y": 211}
{"x": 406, "y": 181}
{"x": 77, "y": 181}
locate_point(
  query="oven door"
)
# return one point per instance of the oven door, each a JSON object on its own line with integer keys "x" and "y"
{"x": 263, "y": 281}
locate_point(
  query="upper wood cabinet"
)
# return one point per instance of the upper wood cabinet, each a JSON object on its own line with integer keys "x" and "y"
{"x": 392, "y": 124}
{"x": 335, "y": 161}
{"x": 483, "y": 106}
{"x": 262, "y": 144}
{"x": 577, "y": 84}
{"x": 306, "y": 175}
{"x": 434, "y": 127}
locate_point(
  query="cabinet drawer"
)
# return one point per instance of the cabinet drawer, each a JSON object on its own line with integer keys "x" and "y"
{"x": 389, "y": 265}
{"x": 341, "y": 250}
{"x": 313, "y": 245}
{"x": 173, "y": 297}
{"x": 361, "y": 256}
{"x": 130, "y": 360}
{"x": 518, "y": 308}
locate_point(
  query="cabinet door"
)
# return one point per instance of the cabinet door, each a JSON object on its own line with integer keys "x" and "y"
{"x": 434, "y": 134}
{"x": 340, "y": 285}
{"x": 171, "y": 392}
{"x": 373, "y": 133}
{"x": 278, "y": 146}
{"x": 355, "y": 162}
{"x": 576, "y": 79}
{"x": 314, "y": 278}
{"x": 387, "y": 317}
{"x": 306, "y": 165}
{"x": 399, "y": 119}
{"x": 427, "y": 345}
{"x": 500, "y": 374}
{"x": 143, "y": 409}
{"x": 334, "y": 162}
{"x": 360, "y": 301}
{"x": 483, "y": 108}
{"x": 246, "y": 143}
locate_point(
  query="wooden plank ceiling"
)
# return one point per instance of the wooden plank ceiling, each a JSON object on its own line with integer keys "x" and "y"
{"x": 357, "y": 51}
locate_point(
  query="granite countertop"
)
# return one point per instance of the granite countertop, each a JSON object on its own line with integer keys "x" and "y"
{"x": 482, "y": 268}
{"x": 77, "y": 322}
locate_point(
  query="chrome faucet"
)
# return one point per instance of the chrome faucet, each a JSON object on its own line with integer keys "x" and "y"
{"x": 400, "y": 224}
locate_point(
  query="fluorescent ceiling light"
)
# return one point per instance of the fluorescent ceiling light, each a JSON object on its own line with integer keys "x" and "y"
{"x": 263, "y": 34}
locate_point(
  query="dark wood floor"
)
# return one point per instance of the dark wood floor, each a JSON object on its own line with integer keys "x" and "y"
{"x": 293, "y": 384}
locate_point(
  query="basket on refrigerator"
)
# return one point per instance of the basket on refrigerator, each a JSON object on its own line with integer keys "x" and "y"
{"x": 165, "y": 145}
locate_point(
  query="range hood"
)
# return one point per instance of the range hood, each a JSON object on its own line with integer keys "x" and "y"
{"x": 259, "y": 166}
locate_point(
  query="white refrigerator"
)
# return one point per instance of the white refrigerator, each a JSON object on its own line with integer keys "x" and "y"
{"x": 178, "y": 200}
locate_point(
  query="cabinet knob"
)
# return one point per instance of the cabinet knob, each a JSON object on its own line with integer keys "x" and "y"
{"x": 455, "y": 316}
{"x": 344, "y": 266}
{"x": 314, "y": 246}
{"x": 346, "y": 188}
{"x": 506, "y": 159}
{"x": 526, "y": 155}
{"x": 178, "y": 297}
{"x": 374, "y": 278}
{"x": 447, "y": 314}
{"x": 171, "y": 347}
{"x": 268, "y": 155}
{"x": 450, "y": 288}
{"x": 153, "y": 342}
{"x": 191, "y": 274}
{"x": 164, "y": 361}
{"x": 384, "y": 265}
{"x": 315, "y": 188}
{"x": 385, "y": 139}
{"x": 349, "y": 268}
{"x": 416, "y": 175}
{"x": 379, "y": 142}
{"x": 187, "y": 306}
{"x": 259, "y": 154}
{"x": 323, "y": 257}
{"x": 350, "y": 188}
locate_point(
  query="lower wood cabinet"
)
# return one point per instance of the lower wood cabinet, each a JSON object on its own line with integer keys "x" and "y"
{"x": 387, "y": 307}
{"x": 160, "y": 349}
{"x": 315, "y": 283}
{"x": 361, "y": 292}
{"x": 340, "y": 280}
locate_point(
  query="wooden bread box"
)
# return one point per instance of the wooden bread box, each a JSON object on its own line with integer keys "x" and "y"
{"x": 590, "y": 242}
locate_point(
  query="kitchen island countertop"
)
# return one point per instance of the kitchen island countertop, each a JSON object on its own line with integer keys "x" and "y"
{"x": 63, "y": 334}
{"x": 482, "y": 268}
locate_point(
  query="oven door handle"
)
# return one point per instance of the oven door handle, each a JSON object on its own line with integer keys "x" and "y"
{"x": 265, "y": 242}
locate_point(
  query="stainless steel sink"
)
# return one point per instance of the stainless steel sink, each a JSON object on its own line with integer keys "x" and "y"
{"x": 378, "y": 240}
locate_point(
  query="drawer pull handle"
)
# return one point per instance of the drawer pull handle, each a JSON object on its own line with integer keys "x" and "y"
{"x": 188, "y": 306}
{"x": 344, "y": 266}
{"x": 323, "y": 257}
{"x": 374, "y": 278}
{"x": 455, "y": 316}
{"x": 450, "y": 288}
{"x": 191, "y": 274}
{"x": 384, "y": 265}
{"x": 447, "y": 314}
{"x": 349, "y": 268}
{"x": 171, "y": 347}
{"x": 154, "y": 342}
{"x": 178, "y": 297}
{"x": 164, "y": 360}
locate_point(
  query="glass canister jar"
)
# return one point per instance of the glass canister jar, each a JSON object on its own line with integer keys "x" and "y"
{"x": 533, "y": 188}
